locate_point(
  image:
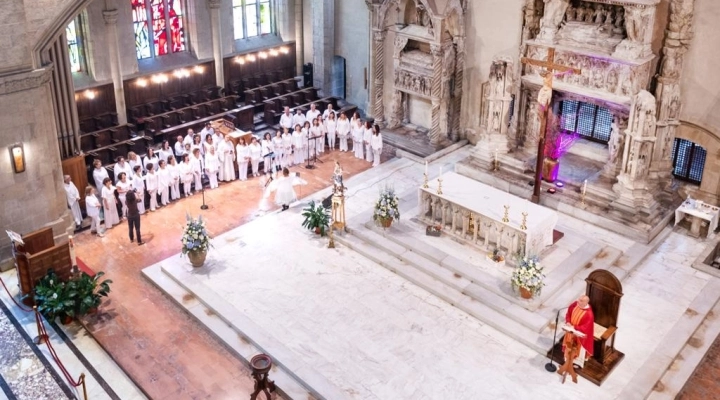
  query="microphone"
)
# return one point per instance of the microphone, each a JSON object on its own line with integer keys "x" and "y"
{"x": 550, "y": 367}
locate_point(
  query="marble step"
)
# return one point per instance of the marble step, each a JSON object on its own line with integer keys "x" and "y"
{"x": 647, "y": 377}
{"x": 244, "y": 349}
{"x": 450, "y": 294}
{"x": 484, "y": 284}
{"x": 685, "y": 363}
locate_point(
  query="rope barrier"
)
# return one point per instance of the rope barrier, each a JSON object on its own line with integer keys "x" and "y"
{"x": 43, "y": 337}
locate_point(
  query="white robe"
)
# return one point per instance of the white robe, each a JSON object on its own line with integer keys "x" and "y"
{"x": 367, "y": 138}
{"x": 92, "y": 208}
{"x": 287, "y": 142}
{"x": 331, "y": 128}
{"x": 122, "y": 188}
{"x": 286, "y": 121}
{"x": 174, "y": 181}
{"x": 164, "y": 185}
{"x": 73, "y": 196}
{"x": 283, "y": 188}
{"x": 147, "y": 160}
{"x": 376, "y": 143}
{"x": 279, "y": 149}
{"x": 99, "y": 175}
{"x": 111, "y": 214}
{"x": 299, "y": 149}
{"x": 212, "y": 167}
{"x": 357, "y": 137}
{"x": 311, "y": 115}
{"x": 151, "y": 182}
{"x": 243, "y": 159}
{"x": 267, "y": 148}
{"x": 138, "y": 185}
{"x": 126, "y": 168}
{"x": 343, "y": 130}
{"x": 255, "y": 156}
{"x": 226, "y": 156}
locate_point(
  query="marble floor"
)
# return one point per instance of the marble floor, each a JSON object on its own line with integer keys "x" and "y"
{"x": 374, "y": 335}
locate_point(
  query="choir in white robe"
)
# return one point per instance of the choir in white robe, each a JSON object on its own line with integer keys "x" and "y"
{"x": 212, "y": 167}
{"x": 73, "y": 198}
{"x": 279, "y": 149}
{"x": 243, "y": 159}
{"x": 163, "y": 154}
{"x": 186, "y": 176}
{"x": 163, "y": 175}
{"x": 196, "y": 168}
{"x": 179, "y": 150}
{"x": 138, "y": 185}
{"x": 331, "y": 129}
{"x": 318, "y": 133}
{"x": 174, "y": 181}
{"x": 92, "y": 208}
{"x": 311, "y": 115}
{"x": 124, "y": 167}
{"x": 147, "y": 160}
{"x": 287, "y": 142}
{"x": 255, "y": 156}
{"x": 376, "y": 143}
{"x": 122, "y": 189}
{"x": 343, "y": 130}
{"x": 307, "y": 145}
{"x": 284, "y": 189}
{"x": 298, "y": 149}
{"x": 151, "y": 183}
{"x": 111, "y": 213}
{"x": 367, "y": 138}
{"x": 326, "y": 114}
{"x": 299, "y": 119}
{"x": 226, "y": 157}
{"x": 267, "y": 151}
{"x": 358, "y": 132}
{"x": 286, "y": 121}
{"x": 99, "y": 175}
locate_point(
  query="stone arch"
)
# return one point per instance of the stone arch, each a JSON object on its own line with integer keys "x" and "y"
{"x": 55, "y": 27}
{"x": 710, "y": 141}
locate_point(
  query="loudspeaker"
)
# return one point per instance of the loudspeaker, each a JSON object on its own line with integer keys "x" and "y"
{"x": 308, "y": 75}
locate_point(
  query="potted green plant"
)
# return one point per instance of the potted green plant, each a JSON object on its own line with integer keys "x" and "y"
{"x": 52, "y": 300}
{"x": 386, "y": 208}
{"x": 87, "y": 292}
{"x": 316, "y": 218}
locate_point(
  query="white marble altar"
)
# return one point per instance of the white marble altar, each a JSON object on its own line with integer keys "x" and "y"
{"x": 465, "y": 201}
{"x": 698, "y": 210}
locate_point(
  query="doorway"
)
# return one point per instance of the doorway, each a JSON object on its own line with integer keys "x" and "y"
{"x": 338, "y": 86}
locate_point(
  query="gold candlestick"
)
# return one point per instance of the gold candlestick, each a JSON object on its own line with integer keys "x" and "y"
{"x": 506, "y": 219}
{"x": 425, "y": 183}
{"x": 523, "y": 224}
{"x": 496, "y": 164}
{"x": 582, "y": 198}
{"x": 439, "y": 190}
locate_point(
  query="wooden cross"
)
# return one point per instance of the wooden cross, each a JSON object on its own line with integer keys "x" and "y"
{"x": 550, "y": 67}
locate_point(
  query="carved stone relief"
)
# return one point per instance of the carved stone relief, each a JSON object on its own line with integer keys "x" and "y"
{"x": 639, "y": 22}
{"x": 410, "y": 82}
{"x": 553, "y": 16}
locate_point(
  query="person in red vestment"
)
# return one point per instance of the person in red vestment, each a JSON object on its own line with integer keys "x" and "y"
{"x": 580, "y": 316}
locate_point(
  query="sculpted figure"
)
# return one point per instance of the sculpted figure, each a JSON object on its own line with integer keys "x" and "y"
{"x": 599, "y": 14}
{"x": 634, "y": 23}
{"x": 580, "y": 13}
{"x": 545, "y": 94}
{"x": 554, "y": 13}
{"x": 615, "y": 142}
{"x": 570, "y": 13}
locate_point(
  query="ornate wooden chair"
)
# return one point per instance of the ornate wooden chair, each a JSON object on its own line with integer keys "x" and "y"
{"x": 605, "y": 292}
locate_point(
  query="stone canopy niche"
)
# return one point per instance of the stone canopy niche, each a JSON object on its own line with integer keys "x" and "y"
{"x": 425, "y": 58}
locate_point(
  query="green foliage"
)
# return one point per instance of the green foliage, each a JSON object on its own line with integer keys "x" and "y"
{"x": 316, "y": 217}
{"x": 73, "y": 298}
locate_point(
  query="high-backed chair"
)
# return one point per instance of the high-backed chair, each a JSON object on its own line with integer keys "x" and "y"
{"x": 605, "y": 292}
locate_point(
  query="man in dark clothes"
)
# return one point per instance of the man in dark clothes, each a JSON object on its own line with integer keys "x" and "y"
{"x": 133, "y": 216}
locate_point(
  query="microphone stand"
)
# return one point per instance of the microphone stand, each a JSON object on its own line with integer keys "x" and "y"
{"x": 202, "y": 184}
{"x": 550, "y": 367}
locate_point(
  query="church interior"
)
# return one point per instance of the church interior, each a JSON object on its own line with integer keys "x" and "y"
{"x": 345, "y": 199}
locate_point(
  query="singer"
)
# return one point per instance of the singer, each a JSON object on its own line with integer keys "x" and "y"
{"x": 580, "y": 318}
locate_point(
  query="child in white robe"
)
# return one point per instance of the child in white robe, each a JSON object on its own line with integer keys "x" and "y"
{"x": 73, "y": 198}
{"x": 255, "y": 156}
{"x": 92, "y": 208}
{"x": 226, "y": 157}
{"x": 279, "y": 149}
{"x": 267, "y": 151}
{"x": 358, "y": 131}
{"x": 109, "y": 205}
{"x": 151, "y": 182}
{"x": 212, "y": 167}
{"x": 122, "y": 186}
{"x": 376, "y": 143}
{"x": 186, "y": 175}
{"x": 164, "y": 183}
{"x": 331, "y": 129}
{"x": 138, "y": 185}
{"x": 287, "y": 141}
{"x": 243, "y": 159}
{"x": 298, "y": 149}
{"x": 367, "y": 138}
{"x": 283, "y": 188}
{"x": 174, "y": 178}
{"x": 343, "y": 130}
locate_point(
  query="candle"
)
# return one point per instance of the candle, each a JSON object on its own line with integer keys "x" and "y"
{"x": 584, "y": 187}
{"x": 441, "y": 171}
{"x": 426, "y": 168}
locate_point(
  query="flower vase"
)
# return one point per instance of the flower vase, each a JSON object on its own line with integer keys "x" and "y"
{"x": 385, "y": 222}
{"x": 525, "y": 293}
{"x": 550, "y": 169}
{"x": 197, "y": 258}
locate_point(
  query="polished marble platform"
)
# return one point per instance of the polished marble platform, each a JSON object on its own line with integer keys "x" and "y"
{"x": 345, "y": 326}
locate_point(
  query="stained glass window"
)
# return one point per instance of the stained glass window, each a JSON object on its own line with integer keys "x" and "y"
{"x": 588, "y": 120}
{"x": 75, "y": 49}
{"x": 158, "y": 26}
{"x": 688, "y": 160}
{"x": 252, "y": 18}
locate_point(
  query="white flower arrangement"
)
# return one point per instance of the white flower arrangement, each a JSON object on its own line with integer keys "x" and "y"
{"x": 195, "y": 237}
{"x": 529, "y": 275}
{"x": 387, "y": 205}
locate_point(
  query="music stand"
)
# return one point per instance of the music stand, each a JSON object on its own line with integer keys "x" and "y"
{"x": 311, "y": 142}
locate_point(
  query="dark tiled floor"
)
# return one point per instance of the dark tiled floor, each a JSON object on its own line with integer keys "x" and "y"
{"x": 163, "y": 350}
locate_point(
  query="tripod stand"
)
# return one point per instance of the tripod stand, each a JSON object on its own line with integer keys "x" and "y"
{"x": 312, "y": 144}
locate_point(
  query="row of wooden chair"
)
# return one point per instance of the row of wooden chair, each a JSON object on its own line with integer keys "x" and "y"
{"x": 196, "y": 112}
{"x": 98, "y": 122}
{"x": 107, "y": 137}
{"x": 239, "y": 86}
{"x": 273, "y": 107}
{"x": 139, "y": 112}
{"x": 241, "y": 117}
{"x": 262, "y": 93}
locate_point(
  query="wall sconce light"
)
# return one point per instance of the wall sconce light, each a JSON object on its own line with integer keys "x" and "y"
{"x": 159, "y": 78}
{"x": 89, "y": 94}
{"x": 199, "y": 69}
{"x": 240, "y": 60}
{"x": 141, "y": 82}
{"x": 274, "y": 53}
{"x": 263, "y": 55}
{"x": 284, "y": 50}
{"x": 181, "y": 73}
{"x": 17, "y": 157}
{"x": 251, "y": 58}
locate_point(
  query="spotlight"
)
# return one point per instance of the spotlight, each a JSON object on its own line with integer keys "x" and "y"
{"x": 141, "y": 82}
{"x": 181, "y": 73}
{"x": 284, "y": 50}
{"x": 274, "y": 53}
{"x": 263, "y": 55}
{"x": 240, "y": 60}
{"x": 199, "y": 69}
{"x": 251, "y": 58}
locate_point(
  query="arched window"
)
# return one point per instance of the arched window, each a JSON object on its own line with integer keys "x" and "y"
{"x": 158, "y": 27}
{"x": 587, "y": 120}
{"x": 252, "y": 18}
{"x": 688, "y": 160}
{"x": 76, "y": 50}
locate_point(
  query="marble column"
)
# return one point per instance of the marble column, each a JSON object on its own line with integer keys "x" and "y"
{"x": 323, "y": 20}
{"x": 458, "y": 89}
{"x": 110, "y": 17}
{"x": 216, "y": 27}
{"x": 378, "y": 76}
{"x": 299, "y": 37}
{"x": 436, "y": 92}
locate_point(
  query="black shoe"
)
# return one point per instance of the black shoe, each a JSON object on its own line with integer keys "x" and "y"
{"x": 132, "y": 240}
{"x": 141, "y": 243}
